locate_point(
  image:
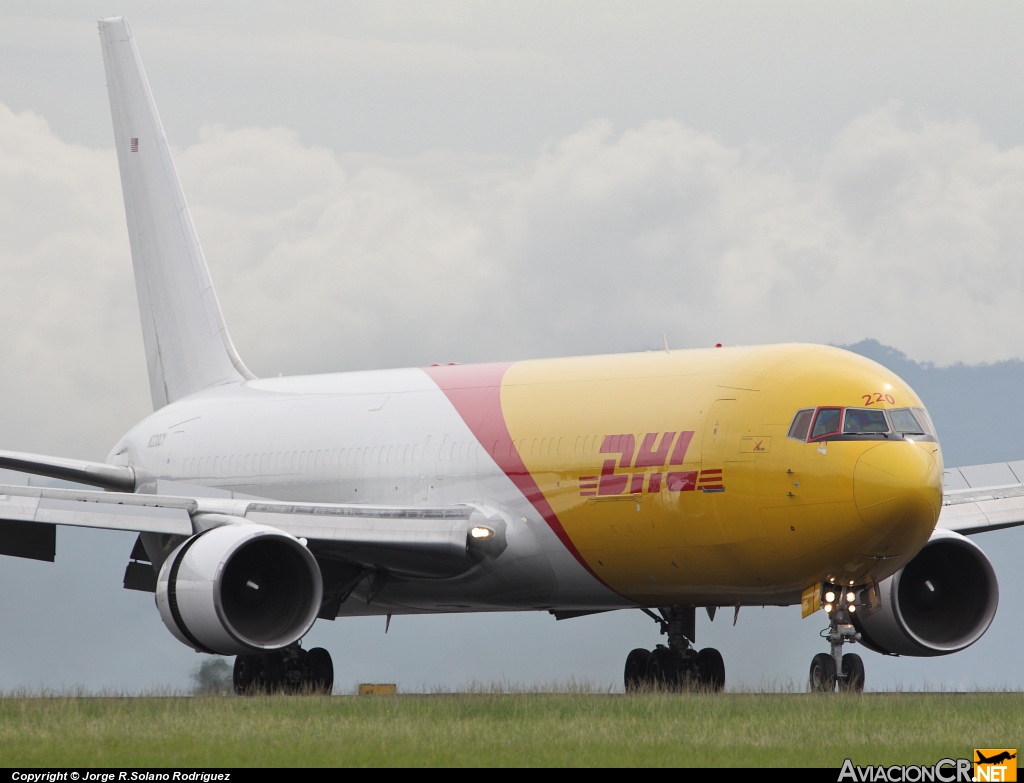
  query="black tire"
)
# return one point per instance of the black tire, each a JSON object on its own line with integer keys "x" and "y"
{"x": 636, "y": 670}
{"x": 319, "y": 671}
{"x": 853, "y": 668}
{"x": 272, "y": 673}
{"x": 710, "y": 669}
{"x": 244, "y": 673}
{"x": 823, "y": 674}
{"x": 663, "y": 669}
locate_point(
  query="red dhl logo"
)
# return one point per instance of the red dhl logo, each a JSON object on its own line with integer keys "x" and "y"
{"x": 654, "y": 453}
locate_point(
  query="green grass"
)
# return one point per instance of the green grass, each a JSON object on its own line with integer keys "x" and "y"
{"x": 506, "y": 729}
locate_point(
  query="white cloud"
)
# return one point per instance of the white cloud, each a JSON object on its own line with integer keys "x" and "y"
{"x": 906, "y": 229}
{"x": 603, "y": 240}
{"x": 69, "y": 324}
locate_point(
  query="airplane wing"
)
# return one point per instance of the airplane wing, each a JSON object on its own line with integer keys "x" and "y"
{"x": 430, "y": 541}
{"x": 980, "y": 498}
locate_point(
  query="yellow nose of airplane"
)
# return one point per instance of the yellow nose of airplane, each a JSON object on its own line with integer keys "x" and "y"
{"x": 898, "y": 491}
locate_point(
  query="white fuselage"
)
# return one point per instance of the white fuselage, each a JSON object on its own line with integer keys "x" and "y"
{"x": 382, "y": 437}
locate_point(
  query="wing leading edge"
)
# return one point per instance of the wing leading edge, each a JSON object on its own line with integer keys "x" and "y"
{"x": 427, "y": 542}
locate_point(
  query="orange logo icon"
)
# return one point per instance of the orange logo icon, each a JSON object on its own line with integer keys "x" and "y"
{"x": 995, "y": 764}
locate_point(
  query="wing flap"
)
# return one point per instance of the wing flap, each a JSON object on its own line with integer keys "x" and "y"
{"x": 86, "y": 508}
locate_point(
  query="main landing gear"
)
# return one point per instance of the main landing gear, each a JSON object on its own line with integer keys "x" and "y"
{"x": 829, "y": 671}
{"x": 678, "y": 666}
{"x": 289, "y": 670}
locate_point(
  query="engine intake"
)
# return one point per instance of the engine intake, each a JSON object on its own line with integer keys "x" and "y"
{"x": 239, "y": 588}
{"x": 939, "y": 603}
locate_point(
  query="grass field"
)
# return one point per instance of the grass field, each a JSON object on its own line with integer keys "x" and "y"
{"x": 507, "y": 729}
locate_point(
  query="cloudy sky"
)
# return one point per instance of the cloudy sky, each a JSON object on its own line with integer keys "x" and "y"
{"x": 382, "y": 184}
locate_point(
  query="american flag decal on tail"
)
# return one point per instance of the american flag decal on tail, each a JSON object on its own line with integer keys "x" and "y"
{"x": 134, "y": 145}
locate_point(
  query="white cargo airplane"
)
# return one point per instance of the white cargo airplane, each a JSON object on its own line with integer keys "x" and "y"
{"x": 662, "y": 481}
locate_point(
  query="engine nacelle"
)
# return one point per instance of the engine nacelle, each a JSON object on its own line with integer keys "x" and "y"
{"x": 939, "y": 603}
{"x": 238, "y": 589}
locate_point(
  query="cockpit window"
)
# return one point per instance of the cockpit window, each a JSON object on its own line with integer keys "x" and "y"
{"x": 801, "y": 424}
{"x": 827, "y": 422}
{"x": 925, "y": 421}
{"x": 904, "y": 422}
{"x": 838, "y": 423}
{"x": 862, "y": 420}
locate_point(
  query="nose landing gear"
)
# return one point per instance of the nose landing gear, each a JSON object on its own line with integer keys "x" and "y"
{"x": 832, "y": 670}
{"x": 678, "y": 666}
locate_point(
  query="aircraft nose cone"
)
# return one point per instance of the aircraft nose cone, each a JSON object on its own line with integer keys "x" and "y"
{"x": 898, "y": 490}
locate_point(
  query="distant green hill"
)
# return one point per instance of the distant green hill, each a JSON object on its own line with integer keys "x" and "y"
{"x": 977, "y": 409}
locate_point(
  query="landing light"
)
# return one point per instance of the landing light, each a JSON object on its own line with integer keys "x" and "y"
{"x": 828, "y": 608}
{"x": 850, "y": 597}
{"x": 830, "y": 596}
{"x": 851, "y": 608}
{"x": 480, "y": 532}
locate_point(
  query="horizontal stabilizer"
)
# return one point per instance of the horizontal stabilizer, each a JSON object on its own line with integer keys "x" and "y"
{"x": 96, "y": 474}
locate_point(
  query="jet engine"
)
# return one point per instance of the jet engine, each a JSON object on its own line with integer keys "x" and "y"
{"x": 239, "y": 589}
{"x": 939, "y": 603}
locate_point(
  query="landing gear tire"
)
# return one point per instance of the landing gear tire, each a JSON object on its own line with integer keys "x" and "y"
{"x": 319, "y": 671}
{"x": 823, "y": 674}
{"x": 676, "y": 666}
{"x": 710, "y": 670}
{"x": 636, "y": 670}
{"x": 272, "y": 673}
{"x": 663, "y": 669}
{"x": 244, "y": 673}
{"x": 290, "y": 670}
{"x": 853, "y": 668}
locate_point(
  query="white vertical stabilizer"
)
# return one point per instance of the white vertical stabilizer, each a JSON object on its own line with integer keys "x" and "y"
{"x": 187, "y": 344}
